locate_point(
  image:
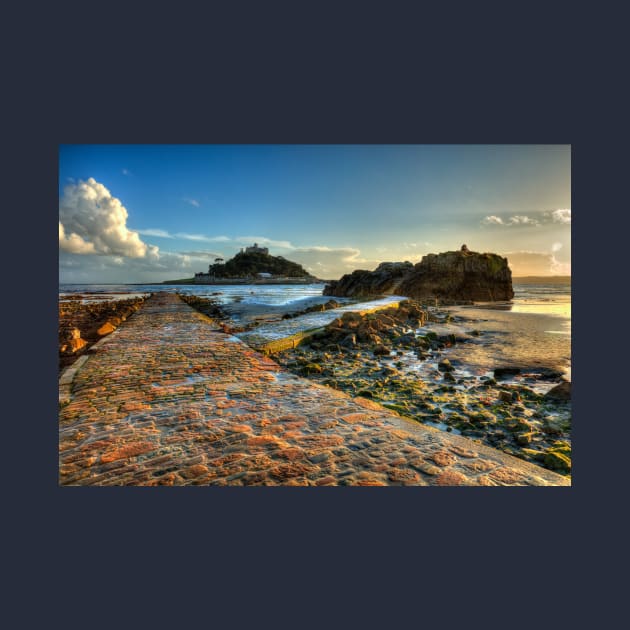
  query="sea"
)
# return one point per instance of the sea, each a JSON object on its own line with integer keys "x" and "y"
{"x": 532, "y": 330}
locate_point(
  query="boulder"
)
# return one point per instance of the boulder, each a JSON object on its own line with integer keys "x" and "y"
{"x": 381, "y": 350}
{"x": 560, "y": 392}
{"x": 312, "y": 368}
{"x": 73, "y": 345}
{"x": 458, "y": 276}
{"x": 555, "y": 426}
{"x": 506, "y": 372}
{"x": 558, "y": 461}
{"x": 105, "y": 329}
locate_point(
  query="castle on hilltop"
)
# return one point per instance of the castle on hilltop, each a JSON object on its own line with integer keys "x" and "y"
{"x": 255, "y": 250}
{"x": 254, "y": 265}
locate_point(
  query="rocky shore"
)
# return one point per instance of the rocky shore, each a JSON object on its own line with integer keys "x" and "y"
{"x": 375, "y": 356}
{"x": 82, "y": 324}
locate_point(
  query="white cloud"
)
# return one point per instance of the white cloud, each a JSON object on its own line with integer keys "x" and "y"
{"x": 561, "y": 216}
{"x": 202, "y": 254}
{"x": 517, "y": 219}
{"x": 522, "y": 220}
{"x": 556, "y": 247}
{"x": 104, "y": 268}
{"x": 555, "y": 216}
{"x": 155, "y": 232}
{"x": 202, "y": 237}
{"x": 74, "y": 243}
{"x": 492, "y": 220}
{"x": 92, "y": 221}
{"x": 192, "y": 202}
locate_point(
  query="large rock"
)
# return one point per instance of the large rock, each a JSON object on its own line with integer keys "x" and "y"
{"x": 560, "y": 392}
{"x": 382, "y": 281}
{"x": 459, "y": 276}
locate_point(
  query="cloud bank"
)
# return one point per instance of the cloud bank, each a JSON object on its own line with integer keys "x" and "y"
{"x": 554, "y": 216}
{"x": 517, "y": 219}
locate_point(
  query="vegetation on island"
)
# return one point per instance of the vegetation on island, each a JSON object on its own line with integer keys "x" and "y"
{"x": 246, "y": 264}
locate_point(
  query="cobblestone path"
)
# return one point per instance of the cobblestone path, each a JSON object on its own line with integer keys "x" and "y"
{"x": 168, "y": 399}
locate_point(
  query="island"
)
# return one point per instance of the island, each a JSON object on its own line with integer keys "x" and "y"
{"x": 252, "y": 265}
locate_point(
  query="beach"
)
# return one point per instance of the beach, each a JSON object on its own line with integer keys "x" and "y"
{"x": 486, "y": 372}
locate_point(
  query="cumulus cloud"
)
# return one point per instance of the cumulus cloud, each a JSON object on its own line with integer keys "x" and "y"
{"x": 519, "y": 219}
{"x": 92, "y": 221}
{"x": 492, "y": 220}
{"x": 74, "y": 243}
{"x": 561, "y": 216}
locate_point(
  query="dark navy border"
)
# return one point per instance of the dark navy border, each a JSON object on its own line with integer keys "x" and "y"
{"x": 315, "y": 73}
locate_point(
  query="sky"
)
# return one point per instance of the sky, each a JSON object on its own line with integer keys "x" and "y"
{"x": 149, "y": 213}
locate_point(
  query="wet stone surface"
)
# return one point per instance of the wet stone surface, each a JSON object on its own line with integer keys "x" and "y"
{"x": 387, "y": 358}
{"x": 169, "y": 399}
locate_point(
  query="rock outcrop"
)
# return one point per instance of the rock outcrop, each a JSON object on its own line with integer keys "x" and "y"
{"x": 458, "y": 276}
{"x": 384, "y": 280}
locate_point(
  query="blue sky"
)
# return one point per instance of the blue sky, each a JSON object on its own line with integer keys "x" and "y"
{"x": 142, "y": 213}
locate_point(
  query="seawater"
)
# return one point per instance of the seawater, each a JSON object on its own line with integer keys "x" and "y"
{"x": 532, "y": 330}
{"x": 255, "y": 294}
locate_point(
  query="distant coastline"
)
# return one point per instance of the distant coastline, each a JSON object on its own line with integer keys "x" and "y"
{"x": 219, "y": 281}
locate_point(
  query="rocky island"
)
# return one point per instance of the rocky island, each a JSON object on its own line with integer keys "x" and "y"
{"x": 455, "y": 276}
{"x": 252, "y": 265}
